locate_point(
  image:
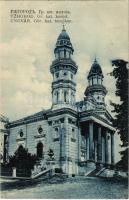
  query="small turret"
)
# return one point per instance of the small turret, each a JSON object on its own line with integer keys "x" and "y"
{"x": 95, "y": 84}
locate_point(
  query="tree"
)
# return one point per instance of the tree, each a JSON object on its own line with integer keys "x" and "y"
{"x": 120, "y": 73}
{"x": 22, "y": 159}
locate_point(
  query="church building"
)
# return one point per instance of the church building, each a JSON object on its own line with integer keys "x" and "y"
{"x": 80, "y": 134}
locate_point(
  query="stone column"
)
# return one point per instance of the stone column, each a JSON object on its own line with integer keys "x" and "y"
{"x": 99, "y": 149}
{"x": 95, "y": 150}
{"x": 107, "y": 156}
{"x": 103, "y": 149}
{"x": 87, "y": 145}
{"x": 112, "y": 149}
{"x": 60, "y": 95}
{"x": 91, "y": 140}
{"x": 70, "y": 97}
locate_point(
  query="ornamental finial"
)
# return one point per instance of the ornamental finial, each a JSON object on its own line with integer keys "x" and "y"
{"x": 63, "y": 27}
{"x": 95, "y": 59}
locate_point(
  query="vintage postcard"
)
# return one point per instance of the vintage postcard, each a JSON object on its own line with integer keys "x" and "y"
{"x": 64, "y": 102}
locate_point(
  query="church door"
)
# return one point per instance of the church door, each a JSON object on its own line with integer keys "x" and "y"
{"x": 39, "y": 150}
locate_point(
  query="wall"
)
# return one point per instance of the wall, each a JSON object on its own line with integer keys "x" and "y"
{"x": 30, "y": 136}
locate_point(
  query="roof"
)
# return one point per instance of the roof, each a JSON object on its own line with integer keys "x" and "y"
{"x": 63, "y": 40}
{"x": 95, "y": 69}
{"x": 28, "y": 119}
{"x": 63, "y": 35}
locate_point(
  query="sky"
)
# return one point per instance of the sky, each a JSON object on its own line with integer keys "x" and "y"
{"x": 98, "y": 28}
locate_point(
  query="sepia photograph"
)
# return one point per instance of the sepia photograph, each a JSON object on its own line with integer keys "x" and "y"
{"x": 64, "y": 99}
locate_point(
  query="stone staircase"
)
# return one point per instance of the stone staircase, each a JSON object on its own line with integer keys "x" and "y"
{"x": 43, "y": 174}
{"x": 93, "y": 173}
{"x": 96, "y": 172}
{"x": 100, "y": 171}
{"x": 42, "y": 171}
{"x": 86, "y": 168}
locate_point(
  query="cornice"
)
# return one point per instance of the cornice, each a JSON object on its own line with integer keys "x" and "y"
{"x": 30, "y": 119}
{"x": 94, "y": 88}
{"x": 63, "y": 81}
{"x": 63, "y": 86}
{"x": 66, "y": 64}
{"x": 106, "y": 113}
{"x": 57, "y": 112}
{"x": 61, "y": 111}
{"x": 93, "y": 115}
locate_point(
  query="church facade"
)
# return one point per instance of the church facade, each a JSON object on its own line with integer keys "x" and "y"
{"x": 80, "y": 134}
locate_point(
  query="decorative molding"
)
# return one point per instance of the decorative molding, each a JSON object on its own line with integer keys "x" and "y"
{"x": 21, "y": 139}
{"x": 40, "y": 136}
{"x": 71, "y": 121}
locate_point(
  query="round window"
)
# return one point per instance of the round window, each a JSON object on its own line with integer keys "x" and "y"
{"x": 21, "y": 133}
{"x": 40, "y": 130}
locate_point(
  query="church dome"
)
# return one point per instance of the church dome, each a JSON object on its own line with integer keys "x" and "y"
{"x": 63, "y": 35}
{"x": 95, "y": 69}
{"x": 63, "y": 40}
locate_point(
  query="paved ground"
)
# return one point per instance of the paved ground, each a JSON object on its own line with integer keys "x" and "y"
{"x": 94, "y": 188}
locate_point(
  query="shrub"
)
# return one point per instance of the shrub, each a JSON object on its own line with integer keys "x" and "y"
{"x": 22, "y": 159}
{"x": 58, "y": 170}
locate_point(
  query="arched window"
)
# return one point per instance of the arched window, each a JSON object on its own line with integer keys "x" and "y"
{"x": 92, "y": 80}
{"x": 64, "y": 53}
{"x": 97, "y": 80}
{"x": 5, "y": 154}
{"x": 57, "y": 96}
{"x": 39, "y": 150}
{"x": 56, "y": 133}
{"x": 59, "y": 54}
{"x": 57, "y": 75}
{"x": 65, "y": 96}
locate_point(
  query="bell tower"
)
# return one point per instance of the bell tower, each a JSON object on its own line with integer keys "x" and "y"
{"x": 95, "y": 84}
{"x": 64, "y": 71}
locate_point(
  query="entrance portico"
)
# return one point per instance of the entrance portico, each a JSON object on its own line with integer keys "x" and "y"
{"x": 99, "y": 140}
